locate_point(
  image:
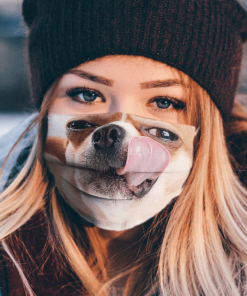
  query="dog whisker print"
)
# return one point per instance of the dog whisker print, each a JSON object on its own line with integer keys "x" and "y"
{"x": 118, "y": 163}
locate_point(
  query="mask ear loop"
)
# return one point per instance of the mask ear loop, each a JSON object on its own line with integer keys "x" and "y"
{"x": 197, "y": 131}
{"x": 42, "y": 133}
{"x": 43, "y": 129}
{"x": 46, "y": 117}
{"x": 196, "y": 141}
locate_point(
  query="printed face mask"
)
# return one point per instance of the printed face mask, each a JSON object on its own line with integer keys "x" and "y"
{"x": 118, "y": 170}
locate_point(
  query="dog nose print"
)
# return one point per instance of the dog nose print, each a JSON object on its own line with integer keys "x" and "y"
{"x": 108, "y": 136}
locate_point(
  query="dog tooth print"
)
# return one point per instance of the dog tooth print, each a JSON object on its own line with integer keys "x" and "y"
{"x": 118, "y": 170}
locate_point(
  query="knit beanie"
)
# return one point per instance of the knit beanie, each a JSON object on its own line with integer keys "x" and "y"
{"x": 202, "y": 38}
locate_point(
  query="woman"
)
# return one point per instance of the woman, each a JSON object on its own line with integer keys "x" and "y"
{"x": 160, "y": 63}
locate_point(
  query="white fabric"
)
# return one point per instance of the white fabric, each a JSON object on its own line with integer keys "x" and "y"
{"x": 107, "y": 200}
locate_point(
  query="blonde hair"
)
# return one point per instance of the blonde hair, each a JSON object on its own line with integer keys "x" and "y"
{"x": 196, "y": 246}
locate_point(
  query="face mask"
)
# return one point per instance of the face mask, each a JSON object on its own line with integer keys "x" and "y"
{"x": 118, "y": 170}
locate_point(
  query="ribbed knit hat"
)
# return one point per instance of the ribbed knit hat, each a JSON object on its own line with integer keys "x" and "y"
{"x": 202, "y": 38}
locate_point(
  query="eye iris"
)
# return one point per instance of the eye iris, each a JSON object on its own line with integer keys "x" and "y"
{"x": 163, "y": 103}
{"x": 88, "y": 96}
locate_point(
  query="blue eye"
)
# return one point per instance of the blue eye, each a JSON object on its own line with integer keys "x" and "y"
{"x": 169, "y": 103}
{"x": 83, "y": 95}
{"x": 163, "y": 103}
{"x": 87, "y": 96}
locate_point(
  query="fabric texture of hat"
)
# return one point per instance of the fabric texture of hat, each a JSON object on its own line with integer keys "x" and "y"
{"x": 202, "y": 38}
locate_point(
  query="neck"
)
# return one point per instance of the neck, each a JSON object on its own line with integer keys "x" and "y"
{"x": 120, "y": 249}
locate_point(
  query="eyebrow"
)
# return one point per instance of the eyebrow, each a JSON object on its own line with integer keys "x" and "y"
{"x": 161, "y": 83}
{"x": 89, "y": 76}
{"x": 110, "y": 82}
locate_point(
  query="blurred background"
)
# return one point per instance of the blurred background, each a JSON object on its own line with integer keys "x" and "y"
{"x": 14, "y": 87}
{"x": 15, "y": 102}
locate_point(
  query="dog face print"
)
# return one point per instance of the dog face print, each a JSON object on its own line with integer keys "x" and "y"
{"x": 118, "y": 159}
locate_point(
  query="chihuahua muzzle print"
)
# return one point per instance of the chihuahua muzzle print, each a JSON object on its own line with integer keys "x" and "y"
{"x": 118, "y": 170}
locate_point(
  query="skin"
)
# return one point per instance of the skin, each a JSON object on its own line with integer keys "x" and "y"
{"x": 127, "y": 89}
{"x": 134, "y": 85}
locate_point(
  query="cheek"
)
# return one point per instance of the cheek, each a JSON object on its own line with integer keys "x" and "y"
{"x": 59, "y": 106}
{"x": 66, "y": 106}
{"x": 171, "y": 116}
{"x": 182, "y": 118}
{"x": 174, "y": 117}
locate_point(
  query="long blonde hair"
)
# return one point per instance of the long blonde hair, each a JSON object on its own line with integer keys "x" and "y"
{"x": 196, "y": 246}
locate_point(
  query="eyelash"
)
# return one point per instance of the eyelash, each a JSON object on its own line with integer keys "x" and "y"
{"x": 176, "y": 104}
{"x": 74, "y": 92}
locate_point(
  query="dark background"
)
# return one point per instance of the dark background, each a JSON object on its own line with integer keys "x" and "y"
{"x": 14, "y": 85}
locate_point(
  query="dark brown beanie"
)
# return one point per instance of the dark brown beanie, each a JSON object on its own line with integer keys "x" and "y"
{"x": 202, "y": 38}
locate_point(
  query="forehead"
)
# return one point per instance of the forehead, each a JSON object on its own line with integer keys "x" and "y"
{"x": 129, "y": 68}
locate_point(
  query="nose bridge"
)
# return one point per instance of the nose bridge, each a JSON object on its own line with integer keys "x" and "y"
{"x": 125, "y": 102}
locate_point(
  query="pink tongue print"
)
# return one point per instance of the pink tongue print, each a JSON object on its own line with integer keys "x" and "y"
{"x": 146, "y": 159}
